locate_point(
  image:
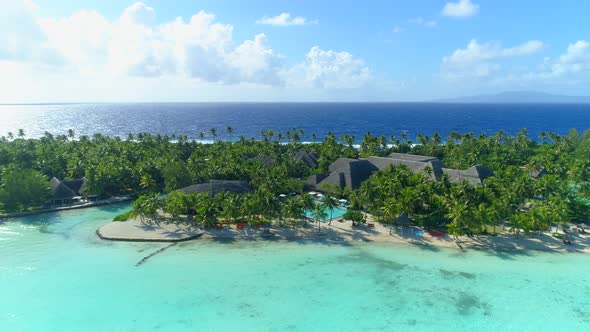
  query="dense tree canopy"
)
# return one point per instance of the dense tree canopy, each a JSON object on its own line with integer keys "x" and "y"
{"x": 153, "y": 164}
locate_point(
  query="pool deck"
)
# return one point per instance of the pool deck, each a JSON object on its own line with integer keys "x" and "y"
{"x": 136, "y": 231}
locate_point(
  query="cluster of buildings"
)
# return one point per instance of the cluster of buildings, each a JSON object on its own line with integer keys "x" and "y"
{"x": 343, "y": 173}
{"x": 350, "y": 173}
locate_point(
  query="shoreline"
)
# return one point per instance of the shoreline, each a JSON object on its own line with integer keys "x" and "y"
{"x": 108, "y": 201}
{"x": 342, "y": 233}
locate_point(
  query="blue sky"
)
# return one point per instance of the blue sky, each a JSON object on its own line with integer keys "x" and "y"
{"x": 61, "y": 50}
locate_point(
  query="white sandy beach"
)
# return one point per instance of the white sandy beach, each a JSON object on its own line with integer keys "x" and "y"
{"x": 340, "y": 232}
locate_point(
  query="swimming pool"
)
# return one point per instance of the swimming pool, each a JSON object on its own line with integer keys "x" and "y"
{"x": 337, "y": 213}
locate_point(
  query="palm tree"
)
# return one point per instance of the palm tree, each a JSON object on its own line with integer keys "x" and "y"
{"x": 319, "y": 213}
{"x": 21, "y": 133}
{"x": 138, "y": 208}
{"x": 201, "y": 135}
{"x": 229, "y": 131}
{"x": 349, "y": 140}
{"x": 213, "y": 132}
{"x": 331, "y": 203}
{"x": 296, "y": 137}
{"x": 457, "y": 214}
{"x": 293, "y": 209}
{"x": 71, "y": 133}
{"x": 481, "y": 216}
{"x": 147, "y": 182}
{"x": 307, "y": 201}
{"x": 208, "y": 210}
{"x": 10, "y": 135}
{"x": 390, "y": 211}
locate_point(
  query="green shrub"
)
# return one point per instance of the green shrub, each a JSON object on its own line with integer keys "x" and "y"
{"x": 124, "y": 217}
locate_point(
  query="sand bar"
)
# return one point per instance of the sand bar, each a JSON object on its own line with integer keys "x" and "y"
{"x": 134, "y": 230}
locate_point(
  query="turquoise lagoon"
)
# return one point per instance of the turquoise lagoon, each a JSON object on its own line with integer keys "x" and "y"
{"x": 56, "y": 275}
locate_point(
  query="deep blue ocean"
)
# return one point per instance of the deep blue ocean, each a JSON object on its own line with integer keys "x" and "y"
{"x": 249, "y": 119}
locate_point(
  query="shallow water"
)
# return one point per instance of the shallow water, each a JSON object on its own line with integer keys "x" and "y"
{"x": 55, "y": 275}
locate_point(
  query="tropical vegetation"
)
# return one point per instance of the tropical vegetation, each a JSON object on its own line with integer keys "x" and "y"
{"x": 153, "y": 167}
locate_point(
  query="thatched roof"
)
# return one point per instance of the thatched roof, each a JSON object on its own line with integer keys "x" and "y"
{"x": 417, "y": 167}
{"x": 411, "y": 157}
{"x": 339, "y": 163}
{"x": 350, "y": 174}
{"x": 308, "y": 158}
{"x": 536, "y": 173}
{"x": 264, "y": 160}
{"x": 315, "y": 179}
{"x": 67, "y": 189}
{"x": 78, "y": 186}
{"x": 475, "y": 175}
{"x": 215, "y": 186}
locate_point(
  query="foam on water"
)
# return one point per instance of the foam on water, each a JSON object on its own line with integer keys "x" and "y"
{"x": 55, "y": 275}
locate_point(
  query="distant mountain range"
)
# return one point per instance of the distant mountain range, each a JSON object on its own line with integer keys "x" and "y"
{"x": 518, "y": 97}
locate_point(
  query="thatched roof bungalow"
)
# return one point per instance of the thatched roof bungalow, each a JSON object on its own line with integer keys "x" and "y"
{"x": 66, "y": 192}
{"x": 308, "y": 158}
{"x": 475, "y": 175}
{"x": 350, "y": 173}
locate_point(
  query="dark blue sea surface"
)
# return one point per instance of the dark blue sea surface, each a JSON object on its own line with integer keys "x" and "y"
{"x": 249, "y": 119}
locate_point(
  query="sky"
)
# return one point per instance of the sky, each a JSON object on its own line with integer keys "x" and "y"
{"x": 278, "y": 50}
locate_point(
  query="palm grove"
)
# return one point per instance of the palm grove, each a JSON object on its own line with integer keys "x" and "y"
{"x": 146, "y": 165}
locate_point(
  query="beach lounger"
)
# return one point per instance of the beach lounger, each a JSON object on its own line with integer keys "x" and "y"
{"x": 371, "y": 225}
{"x": 436, "y": 234}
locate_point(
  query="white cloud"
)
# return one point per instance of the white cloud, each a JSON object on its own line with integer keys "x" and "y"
{"x": 138, "y": 13}
{"x": 575, "y": 60}
{"x": 132, "y": 45}
{"x": 479, "y": 60}
{"x": 285, "y": 19}
{"x": 398, "y": 29}
{"x": 90, "y": 55}
{"x": 331, "y": 70}
{"x": 488, "y": 65}
{"x": 81, "y": 38}
{"x": 476, "y": 52}
{"x": 423, "y": 22}
{"x": 572, "y": 65}
{"x": 21, "y": 37}
{"x": 462, "y": 8}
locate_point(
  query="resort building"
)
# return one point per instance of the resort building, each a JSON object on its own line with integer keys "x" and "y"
{"x": 213, "y": 187}
{"x": 350, "y": 173}
{"x": 67, "y": 192}
{"x": 308, "y": 158}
